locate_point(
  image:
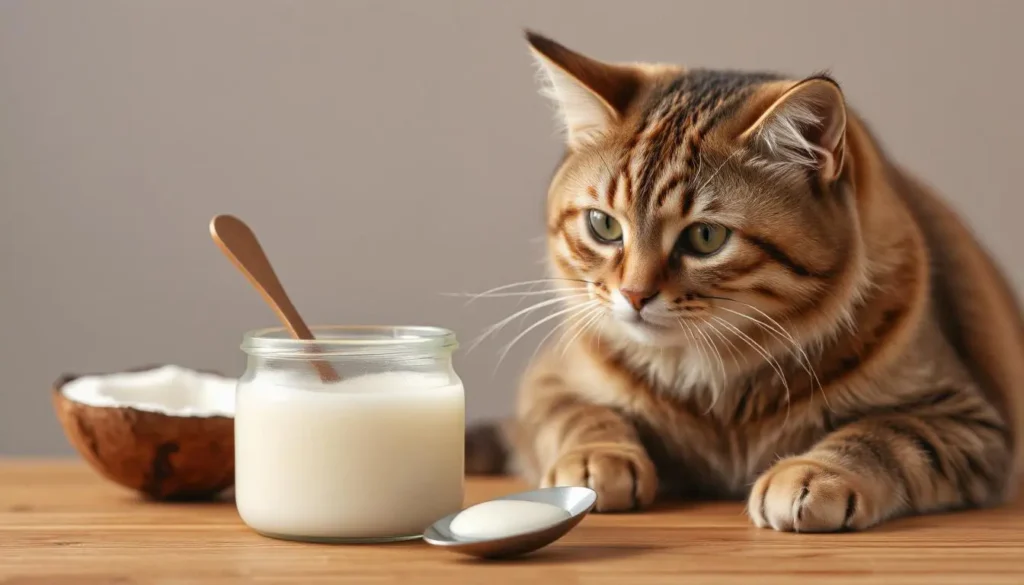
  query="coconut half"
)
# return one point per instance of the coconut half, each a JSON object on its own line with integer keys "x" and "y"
{"x": 164, "y": 431}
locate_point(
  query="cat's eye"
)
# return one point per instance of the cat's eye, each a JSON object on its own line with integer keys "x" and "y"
{"x": 703, "y": 239}
{"x": 605, "y": 228}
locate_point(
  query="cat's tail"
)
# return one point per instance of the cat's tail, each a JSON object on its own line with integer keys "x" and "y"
{"x": 490, "y": 448}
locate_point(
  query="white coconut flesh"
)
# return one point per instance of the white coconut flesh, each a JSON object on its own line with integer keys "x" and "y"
{"x": 171, "y": 390}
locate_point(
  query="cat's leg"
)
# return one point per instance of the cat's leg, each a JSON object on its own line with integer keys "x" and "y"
{"x": 577, "y": 443}
{"x": 885, "y": 466}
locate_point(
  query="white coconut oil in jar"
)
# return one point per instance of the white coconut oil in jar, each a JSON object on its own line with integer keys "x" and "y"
{"x": 376, "y": 456}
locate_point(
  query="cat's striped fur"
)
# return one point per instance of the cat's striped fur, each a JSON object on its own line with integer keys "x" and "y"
{"x": 850, "y": 355}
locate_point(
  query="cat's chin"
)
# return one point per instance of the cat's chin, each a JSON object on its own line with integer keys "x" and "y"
{"x": 651, "y": 334}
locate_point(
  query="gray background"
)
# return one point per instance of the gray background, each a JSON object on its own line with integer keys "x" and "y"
{"x": 386, "y": 153}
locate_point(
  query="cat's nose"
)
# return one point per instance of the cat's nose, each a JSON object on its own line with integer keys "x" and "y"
{"x": 638, "y": 297}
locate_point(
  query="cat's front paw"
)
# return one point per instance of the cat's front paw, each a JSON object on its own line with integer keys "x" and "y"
{"x": 623, "y": 476}
{"x": 802, "y": 495}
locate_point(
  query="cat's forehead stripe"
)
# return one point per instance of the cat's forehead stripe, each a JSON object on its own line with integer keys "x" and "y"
{"x": 613, "y": 185}
{"x": 679, "y": 116}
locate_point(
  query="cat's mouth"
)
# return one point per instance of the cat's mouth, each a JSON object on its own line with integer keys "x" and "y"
{"x": 640, "y": 321}
{"x": 657, "y": 328}
{"x": 644, "y": 324}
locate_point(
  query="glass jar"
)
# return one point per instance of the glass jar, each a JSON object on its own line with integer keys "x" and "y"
{"x": 374, "y": 457}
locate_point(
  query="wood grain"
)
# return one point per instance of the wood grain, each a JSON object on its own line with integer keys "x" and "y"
{"x": 61, "y": 523}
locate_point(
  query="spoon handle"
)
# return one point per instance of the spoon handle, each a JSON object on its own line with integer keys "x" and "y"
{"x": 240, "y": 245}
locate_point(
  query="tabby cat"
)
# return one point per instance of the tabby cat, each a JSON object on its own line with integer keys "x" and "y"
{"x": 763, "y": 305}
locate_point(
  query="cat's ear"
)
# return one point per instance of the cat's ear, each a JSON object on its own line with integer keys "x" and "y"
{"x": 805, "y": 125}
{"x": 591, "y": 96}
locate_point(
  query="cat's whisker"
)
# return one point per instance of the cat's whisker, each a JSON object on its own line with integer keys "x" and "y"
{"x": 715, "y": 330}
{"x": 782, "y": 336}
{"x": 721, "y": 363}
{"x": 776, "y": 326}
{"x": 713, "y": 347}
{"x": 585, "y": 328}
{"x": 523, "y": 283}
{"x": 719, "y": 169}
{"x": 778, "y": 332}
{"x": 519, "y": 302}
{"x": 689, "y": 334}
{"x": 566, "y": 323}
{"x": 540, "y": 305}
{"x": 592, "y": 325}
{"x": 693, "y": 340}
{"x": 717, "y": 393}
{"x": 802, "y": 359}
{"x": 757, "y": 347}
{"x": 733, "y": 350}
{"x": 571, "y": 323}
{"x": 714, "y": 400}
{"x": 529, "y": 293}
{"x": 591, "y": 315}
{"x": 699, "y": 344}
{"x": 504, "y": 322}
{"x": 554, "y": 315}
{"x": 700, "y": 164}
{"x": 771, "y": 361}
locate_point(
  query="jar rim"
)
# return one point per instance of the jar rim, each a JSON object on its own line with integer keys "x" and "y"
{"x": 350, "y": 340}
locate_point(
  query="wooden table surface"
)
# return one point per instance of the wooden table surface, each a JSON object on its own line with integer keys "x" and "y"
{"x": 61, "y": 523}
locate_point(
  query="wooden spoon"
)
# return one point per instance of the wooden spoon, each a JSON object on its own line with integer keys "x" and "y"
{"x": 240, "y": 245}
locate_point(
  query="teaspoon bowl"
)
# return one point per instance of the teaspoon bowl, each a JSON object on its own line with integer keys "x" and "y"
{"x": 576, "y": 501}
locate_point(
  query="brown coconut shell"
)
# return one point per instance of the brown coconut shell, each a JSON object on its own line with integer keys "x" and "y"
{"x": 161, "y": 456}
